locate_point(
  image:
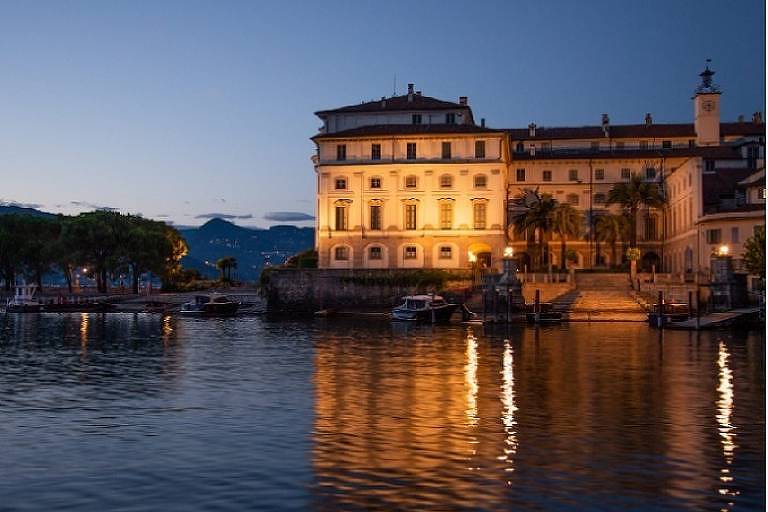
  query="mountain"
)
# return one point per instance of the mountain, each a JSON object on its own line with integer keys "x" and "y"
{"x": 20, "y": 210}
{"x": 252, "y": 247}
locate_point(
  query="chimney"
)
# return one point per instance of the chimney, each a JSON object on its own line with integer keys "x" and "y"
{"x": 606, "y": 124}
{"x": 463, "y": 100}
{"x": 532, "y": 149}
{"x": 757, "y": 118}
{"x": 648, "y": 119}
{"x": 410, "y": 93}
{"x": 741, "y": 118}
{"x": 532, "y": 130}
{"x": 482, "y": 122}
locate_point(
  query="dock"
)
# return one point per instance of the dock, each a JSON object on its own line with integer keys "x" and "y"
{"x": 714, "y": 320}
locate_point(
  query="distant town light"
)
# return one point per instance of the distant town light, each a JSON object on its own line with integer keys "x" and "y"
{"x": 722, "y": 250}
{"x": 472, "y": 256}
{"x": 509, "y": 252}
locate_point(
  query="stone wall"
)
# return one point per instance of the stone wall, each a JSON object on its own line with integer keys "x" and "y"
{"x": 310, "y": 290}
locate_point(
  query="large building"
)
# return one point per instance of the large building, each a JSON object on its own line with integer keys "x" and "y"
{"x": 414, "y": 182}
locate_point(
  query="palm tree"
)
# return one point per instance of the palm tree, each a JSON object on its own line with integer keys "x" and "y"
{"x": 535, "y": 213}
{"x": 633, "y": 195}
{"x": 566, "y": 221}
{"x": 225, "y": 266}
{"x": 611, "y": 229}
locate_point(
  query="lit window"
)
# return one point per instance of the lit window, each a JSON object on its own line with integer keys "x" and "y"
{"x": 572, "y": 199}
{"x": 446, "y": 181}
{"x": 409, "y": 252}
{"x": 416, "y": 119}
{"x": 446, "y": 215}
{"x": 410, "y": 151}
{"x": 375, "y": 151}
{"x": 599, "y": 174}
{"x": 479, "y": 149}
{"x": 446, "y": 252}
{"x": 341, "y": 152}
{"x": 375, "y": 182}
{"x": 479, "y": 215}
{"x": 374, "y": 253}
{"x": 341, "y": 253}
{"x": 341, "y": 218}
{"x": 480, "y": 181}
{"x": 520, "y": 174}
{"x": 375, "y": 217}
{"x": 411, "y": 182}
{"x": 410, "y": 216}
{"x": 546, "y": 176}
{"x": 446, "y": 150}
{"x": 341, "y": 183}
{"x": 573, "y": 175}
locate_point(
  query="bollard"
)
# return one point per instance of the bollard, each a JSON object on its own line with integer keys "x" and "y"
{"x": 660, "y": 319}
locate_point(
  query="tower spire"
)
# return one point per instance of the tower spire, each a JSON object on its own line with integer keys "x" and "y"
{"x": 706, "y": 85}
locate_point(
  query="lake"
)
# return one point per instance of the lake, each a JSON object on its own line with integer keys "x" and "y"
{"x": 141, "y": 412}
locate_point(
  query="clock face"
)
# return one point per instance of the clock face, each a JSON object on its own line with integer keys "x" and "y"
{"x": 708, "y": 106}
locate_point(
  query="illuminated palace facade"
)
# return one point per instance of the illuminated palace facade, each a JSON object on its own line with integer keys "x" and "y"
{"x": 414, "y": 182}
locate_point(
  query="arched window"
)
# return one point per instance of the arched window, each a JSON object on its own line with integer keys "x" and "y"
{"x": 341, "y": 253}
{"x": 480, "y": 181}
{"x": 446, "y": 181}
{"x": 446, "y": 252}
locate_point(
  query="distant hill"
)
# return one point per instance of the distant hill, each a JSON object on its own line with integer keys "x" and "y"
{"x": 252, "y": 247}
{"x": 19, "y": 210}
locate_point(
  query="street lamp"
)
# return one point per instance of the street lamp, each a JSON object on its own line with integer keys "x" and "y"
{"x": 722, "y": 250}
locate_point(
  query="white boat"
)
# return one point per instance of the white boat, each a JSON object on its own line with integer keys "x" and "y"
{"x": 24, "y": 300}
{"x": 424, "y": 308}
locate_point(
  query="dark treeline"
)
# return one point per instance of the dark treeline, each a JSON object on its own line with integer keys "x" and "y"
{"x": 107, "y": 243}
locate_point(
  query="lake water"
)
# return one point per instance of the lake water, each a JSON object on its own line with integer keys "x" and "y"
{"x": 141, "y": 412}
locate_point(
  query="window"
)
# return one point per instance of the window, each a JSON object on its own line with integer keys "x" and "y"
{"x": 599, "y": 198}
{"x": 479, "y": 214}
{"x": 450, "y": 118}
{"x": 479, "y": 149}
{"x": 446, "y": 215}
{"x": 713, "y": 236}
{"x": 375, "y": 151}
{"x": 519, "y": 147}
{"x": 546, "y": 147}
{"x": 341, "y": 183}
{"x": 666, "y": 144}
{"x": 691, "y": 143}
{"x": 410, "y": 216}
{"x": 572, "y": 199}
{"x": 626, "y": 173}
{"x": 416, "y": 119}
{"x": 446, "y": 181}
{"x": 709, "y": 166}
{"x": 619, "y": 145}
{"x": 520, "y": 175}
{"x": 651, "y": 232}
{"x": 341, "y": 218}
{"x": 573, "y": 175}
{"x": 410, "y": 151}
{"x": 341, "y": 151}
{"x": 409, "y": 253}
{"x": 374, "y": 253}
{"x": 480, "y": 181}
{"x": 375, "y": 182}
{"x": 446, "y": 252}
{"x": 375, "y": 217}
{"x": 411, "y": 182}
{"x": 594, "y": 145}
{"x": 546, "y": 176}
{"x": 446, "y": 150}
{"x": 650, "y": 173}
{"x": 735, "y": 235}
{"x": 341, "y": 253}
{"x": 643, "y": 144}
{"x": 599, "y": 174}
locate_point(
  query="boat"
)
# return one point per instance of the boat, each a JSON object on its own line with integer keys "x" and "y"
{"x": 210, "y": 305}
{"x": 24, "y": 300}
{"x": 424, "y": 308}
{"x": 672, "y": 312}
{"x": 545, "y": 317}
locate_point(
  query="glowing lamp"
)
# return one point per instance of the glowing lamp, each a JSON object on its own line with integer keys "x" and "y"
{"x": 508, "y": 252}
{"x": 722, "y": 250}
{"x": 472, "y": 257}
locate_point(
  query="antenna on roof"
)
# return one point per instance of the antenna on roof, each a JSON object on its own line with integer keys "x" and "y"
{"x": 394, "y": 85}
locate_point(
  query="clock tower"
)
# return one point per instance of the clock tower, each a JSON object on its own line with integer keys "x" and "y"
{"x": 706, "y": 110}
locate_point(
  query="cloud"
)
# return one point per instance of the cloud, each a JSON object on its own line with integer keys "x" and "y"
{"x": 162, "y": 215}
{"x": 4, "y": 202}
{"x": 288, "y": 216}
{"x": 227, "y": 216}
{"x": 92, "y": 206}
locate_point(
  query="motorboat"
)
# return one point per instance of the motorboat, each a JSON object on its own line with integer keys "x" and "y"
{"x": 210, "y": 305}
{"x": 424, "y": 308}
{"x": 24, "y": 300}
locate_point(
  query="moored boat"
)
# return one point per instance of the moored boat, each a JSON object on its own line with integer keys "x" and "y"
{"x": 24, "y": 300}
{"x": 424, "y": 308}
{"x": 210, "y": 305}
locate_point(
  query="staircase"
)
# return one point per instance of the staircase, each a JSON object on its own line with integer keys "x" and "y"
{"x": 600, "y": 297}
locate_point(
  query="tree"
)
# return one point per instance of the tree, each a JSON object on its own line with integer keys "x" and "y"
{"x": 566, "y": 221}
{"x": 11, "y": 248}
{"x": 611, "y": 229}
{"x": 225, "y": 266}
{"x": 37, "y": 250}
{"x": 633, "y": 195}
{"x": 535, "y": 214}
{"x": 754, "y": 253}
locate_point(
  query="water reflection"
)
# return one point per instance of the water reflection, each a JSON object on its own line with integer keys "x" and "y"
{"x": 470, "y": 378}
{"x": 508, "y": 400}
{"x": 723, "y": 416}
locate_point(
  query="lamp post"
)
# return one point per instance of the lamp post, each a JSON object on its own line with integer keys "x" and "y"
{"x": 509, "y": 284}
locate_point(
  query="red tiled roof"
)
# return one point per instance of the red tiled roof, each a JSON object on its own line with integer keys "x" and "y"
{"x": 407, "y": 129}
{"x": 655, "y": 131}
{"x": 396, "y": 104}
{"x": 714, "y": 152}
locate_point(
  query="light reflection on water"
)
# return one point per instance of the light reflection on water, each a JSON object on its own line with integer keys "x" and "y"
{"x": 149, "y": 412}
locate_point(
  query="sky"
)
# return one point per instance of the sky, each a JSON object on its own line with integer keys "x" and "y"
{"x": 184, "y": 110}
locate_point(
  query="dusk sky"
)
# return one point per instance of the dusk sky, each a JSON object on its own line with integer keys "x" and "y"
{"x": 182, "y": 110}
